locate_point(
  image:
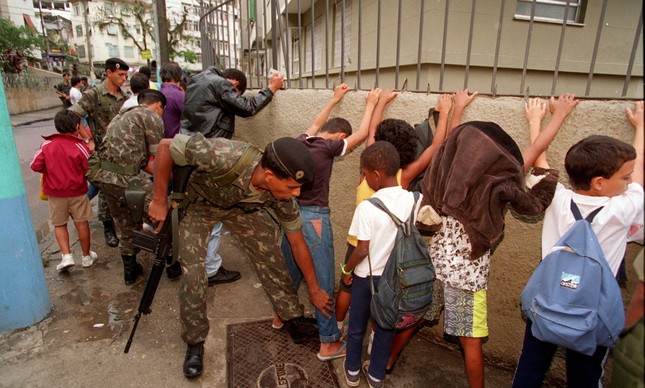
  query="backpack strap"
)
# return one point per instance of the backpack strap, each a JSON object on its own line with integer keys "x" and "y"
{"x": 578, "y": 216}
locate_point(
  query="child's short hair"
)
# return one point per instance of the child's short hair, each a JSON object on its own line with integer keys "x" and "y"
{"x": 401, "y": 135}
{"x": 139, "y": 82}
{"x": 381, "y": 156}
{"x": 596, "y": 156}
{"x": 75, "y": 80}
{"x": 66, "y": 121}
{"x": 337, "y": 125}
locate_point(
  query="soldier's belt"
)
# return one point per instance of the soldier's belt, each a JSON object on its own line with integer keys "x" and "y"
{"x": 118, "y": 169}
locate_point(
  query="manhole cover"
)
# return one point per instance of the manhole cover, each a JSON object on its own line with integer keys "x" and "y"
{"x": 259, "y": 356}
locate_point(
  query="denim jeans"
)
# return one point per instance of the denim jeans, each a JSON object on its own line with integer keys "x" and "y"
{"x": 359, "y": 316}
{"x": 318, "y": 235}
{"x": 213, "y": 258}
{"x": 536, "y": 357}
{"x": 92, "y": 191}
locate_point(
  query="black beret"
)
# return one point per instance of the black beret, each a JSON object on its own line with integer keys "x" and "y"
{"x": 295, "y": 159}
{"x": 156, "y": 93}
{"x": 115, "y": 64}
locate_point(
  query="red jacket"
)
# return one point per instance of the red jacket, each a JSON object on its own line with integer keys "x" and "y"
{"x": 62, "y": 160}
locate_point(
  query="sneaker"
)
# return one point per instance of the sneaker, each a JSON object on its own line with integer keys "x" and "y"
{"x": 371, "y": 382}
{"x": 66, "y": 263}
{"x": 88, "y": 260}
{"x": 352, "y": 380}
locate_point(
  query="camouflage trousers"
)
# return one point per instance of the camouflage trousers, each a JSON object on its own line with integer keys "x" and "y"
{"x": 115, "y": 198}
{"x": 104, "y": 209}
{"x": 259, "y": 237}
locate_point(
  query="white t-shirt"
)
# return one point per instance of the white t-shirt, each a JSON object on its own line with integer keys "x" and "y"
{"x": 74, "y": 95}
{"x": 619, "y": 222}
{"x": 373, "y": 224}
{"x": 132, "y": 101}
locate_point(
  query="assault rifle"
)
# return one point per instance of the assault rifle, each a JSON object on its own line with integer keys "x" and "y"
{"x": 159, "y": 244}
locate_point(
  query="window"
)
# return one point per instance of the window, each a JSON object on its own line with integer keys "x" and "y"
{"x": 550, "y": 10}
{"x": 128, "y": 51}
{"x": 76, "y": 10}
{"x": 196, "y": 26}
{"x": 295, "y": 53}
{"x": 79, "y": 30}
{"x": 339, "y": 42}
{"x": 80, "y": 50}
{"x": 111, "y": 29}
{"x": 113, "y": 50}
{"x": 107, "y": 7}
{"x": 318, "y": 45}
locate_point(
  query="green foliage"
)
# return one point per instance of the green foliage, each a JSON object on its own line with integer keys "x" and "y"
{"x": 16, "y": 44}
{"x": 189, "y": 56}
{"x": 140, "y": 10}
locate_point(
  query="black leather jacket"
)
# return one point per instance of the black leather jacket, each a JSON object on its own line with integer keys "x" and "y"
{"x": 211, "y": 104}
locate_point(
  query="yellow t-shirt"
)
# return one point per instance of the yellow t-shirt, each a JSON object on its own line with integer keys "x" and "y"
{"x": 364, "y": 191}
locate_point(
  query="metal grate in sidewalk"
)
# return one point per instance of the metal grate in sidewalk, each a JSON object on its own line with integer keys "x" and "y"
{"x": 259, "y": 356}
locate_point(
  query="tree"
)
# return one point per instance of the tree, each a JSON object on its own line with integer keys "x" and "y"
{"x": 16, "y": 45}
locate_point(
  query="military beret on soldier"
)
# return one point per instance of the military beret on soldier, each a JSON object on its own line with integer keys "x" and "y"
{"x": 295, "y": 159}
{"x": 151, "y": 92}
{"x": 116, "y": 64}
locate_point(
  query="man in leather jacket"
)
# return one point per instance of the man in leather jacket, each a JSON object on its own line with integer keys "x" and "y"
{"x": 213, "y": 99}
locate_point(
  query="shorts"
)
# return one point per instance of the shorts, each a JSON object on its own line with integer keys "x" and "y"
{"x": 465, "y": 312}
{"x": 60, "y": 208}
{"x": 343, "y": 287}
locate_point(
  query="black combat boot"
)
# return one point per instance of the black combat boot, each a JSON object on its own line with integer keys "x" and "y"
{"x": 131, "y": 269}
{"x": 301, "y": 329}
{"x": 110, "y": 233}
{"x": 194, "y": 361}
{"x": 173, "y": 271}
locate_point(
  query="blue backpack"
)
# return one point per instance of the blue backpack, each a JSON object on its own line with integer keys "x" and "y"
{"x": 572, "y": 298}
{"x": 404, "y": 291}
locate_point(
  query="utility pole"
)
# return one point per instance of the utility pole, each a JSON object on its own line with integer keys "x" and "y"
{"x": 162, "y": 22}
{"x": 86, "y": 11}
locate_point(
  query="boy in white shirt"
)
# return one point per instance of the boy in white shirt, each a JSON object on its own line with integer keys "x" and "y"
{"x": 75, "y": 92}
{"x": 606, "y": 172}
{"x": 379, "y": 164}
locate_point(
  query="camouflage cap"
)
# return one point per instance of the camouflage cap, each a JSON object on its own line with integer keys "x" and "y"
{"x": 295, "y": 159}
{"x": 115, "y": 64}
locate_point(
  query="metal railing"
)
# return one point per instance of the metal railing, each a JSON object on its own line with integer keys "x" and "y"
{"x": 258, "y": 35}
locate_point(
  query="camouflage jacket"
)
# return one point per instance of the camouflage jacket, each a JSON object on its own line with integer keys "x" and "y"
{"x": 132, "y": 138}
{"x": 213, "y": 158}
{"x": 100, "y": 105}
{"x": 61, "y": 87}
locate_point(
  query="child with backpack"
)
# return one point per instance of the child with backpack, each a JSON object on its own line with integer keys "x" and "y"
{"x": 477, "y": 174}
{"x": 606, "y": 176}
{"x": 62, "y": 159}
{"x": 376, "y": 234}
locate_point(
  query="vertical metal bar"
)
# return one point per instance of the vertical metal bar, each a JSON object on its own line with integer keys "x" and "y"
{"x": 528, "y": 46}
{"x": 257, "y": 45}
{"x": 264, "y": 37}
{"x": 443, "y": 45}
{"x": 300, "y": 40}
{"x": 218, "y": 55}
{"x": 470, "y": 43}
{"x": 342, "y": 42}
{"x": 420, "y": 47}
{"x": 246, "y": 54}
{"x": 274, "y": 35}
{"x": 398, "y": 48}
{"x": 313, "y": 58}
{"x": 327, "y": 44}
{"x": 632, "y": 55}
{"x": 378, "y": 42}
{"x": 283, "y": 41}
{"x": 493, "y": 88}
{"x": 559, "y": 56}
{"x": 360, "y": 31}
{"x": 287, "y": 43}
{"x": 601, "y": 22}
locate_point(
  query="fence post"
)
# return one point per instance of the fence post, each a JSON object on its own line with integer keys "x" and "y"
{"x": 24, "y": 299}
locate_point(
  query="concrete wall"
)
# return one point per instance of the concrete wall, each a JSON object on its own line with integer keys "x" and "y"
{"x": 292, "y": 111}
{"x": 21, "y": 100}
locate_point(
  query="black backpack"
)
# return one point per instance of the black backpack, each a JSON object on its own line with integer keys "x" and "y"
{"x": 425, "y": 136}
{"x": 404, "y": 291}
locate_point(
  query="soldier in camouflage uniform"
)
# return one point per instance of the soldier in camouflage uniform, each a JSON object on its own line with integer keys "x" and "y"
{"x": 132, "y": 139}
{"x": 252, "y": 194}
{"x": 62, "y": 90}
{"x": 101, "y": 104}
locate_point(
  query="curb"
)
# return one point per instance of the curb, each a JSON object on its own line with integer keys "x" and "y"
{"x": 20, "y": 124}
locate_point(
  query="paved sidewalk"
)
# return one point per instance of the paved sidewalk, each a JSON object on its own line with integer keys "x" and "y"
{"x": 27, "y": 118}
